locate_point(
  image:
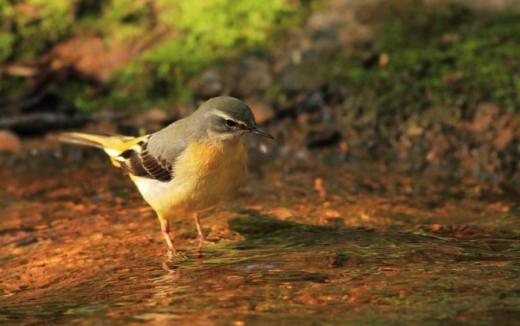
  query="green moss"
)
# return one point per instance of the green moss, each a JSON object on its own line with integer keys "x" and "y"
{"x": 29, "y": 28}
{"x": 6, "y": 43}
{"x": 210, "y": 31}
{"x": 443, "y": 57}
{"x": 448, "y": 57}
{"x": 172, "y": 40}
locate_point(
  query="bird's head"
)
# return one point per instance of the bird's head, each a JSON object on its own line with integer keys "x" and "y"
{"x": 228, "y": 118}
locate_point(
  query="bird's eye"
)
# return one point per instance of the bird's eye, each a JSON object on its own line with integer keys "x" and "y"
{"x": 231, "y": 123}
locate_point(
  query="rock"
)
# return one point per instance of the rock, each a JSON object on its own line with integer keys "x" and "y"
{"x": 505, "y": 132}
{"x": 91, "y": 56}
{"x": 322, "y": 138}
{"x": 326, "y": 39}
{"x": 480, "y": 5}
{"x": 254, "y": 76}
{"x": 485, "y": 114}
{"x": 151, "y": 120}
{"x": 282, "y": 213}
{"x": 323, "y": 20}
{"x": 294, "y": 79}
{"x": 9, "y": 142}
{"x": 209, "y": 85}
{"x": 262, "y": 111}
{"x": 450, "y": 38}
{"x": 156, "y": 115}
{"x": 384, "y": 60}
{"x": 313, "y": 103}
{"x": 40, "y": 122}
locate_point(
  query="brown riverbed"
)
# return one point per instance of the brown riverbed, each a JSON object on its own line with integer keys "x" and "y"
{"x": 302, "y": 244}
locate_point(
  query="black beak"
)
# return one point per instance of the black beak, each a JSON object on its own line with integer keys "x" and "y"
{"x": 258, "y": 131}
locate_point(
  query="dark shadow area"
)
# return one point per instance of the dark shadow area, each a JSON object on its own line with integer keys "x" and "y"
{"x": 260, "y": 229}
{"x": 390, "y": 245}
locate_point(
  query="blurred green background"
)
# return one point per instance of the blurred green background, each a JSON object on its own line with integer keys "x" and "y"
{"x": 425, "y": 83}
{"x": 145, "y": 51}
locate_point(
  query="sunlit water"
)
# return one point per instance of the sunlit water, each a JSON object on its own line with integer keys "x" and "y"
{"x": 79, "y": 245}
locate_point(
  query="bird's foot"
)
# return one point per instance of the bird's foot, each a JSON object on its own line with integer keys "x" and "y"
{"x": 203, "y": 243}
{"x": 207, "y": 243}
{"x": 175, "y": 255}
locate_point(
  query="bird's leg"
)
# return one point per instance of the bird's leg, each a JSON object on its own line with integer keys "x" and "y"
{"x": 202, "y": 238}
{"x": 165, "y": 228}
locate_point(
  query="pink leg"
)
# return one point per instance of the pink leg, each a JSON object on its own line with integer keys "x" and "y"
{"x": 202, "y": 238}
{"x": 165, "y": 228}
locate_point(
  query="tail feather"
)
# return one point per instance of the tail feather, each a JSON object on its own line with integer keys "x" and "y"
{"x": 81, "y": 139}
{"x": 112, "y": 145}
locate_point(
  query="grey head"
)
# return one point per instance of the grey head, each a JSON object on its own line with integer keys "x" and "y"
{"x": 220, "y": 119}
{"x": 227, "y": 118}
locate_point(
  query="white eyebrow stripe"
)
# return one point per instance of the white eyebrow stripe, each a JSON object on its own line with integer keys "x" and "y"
{"x": 227, "y": 117}
{"x": 223, "y": 115}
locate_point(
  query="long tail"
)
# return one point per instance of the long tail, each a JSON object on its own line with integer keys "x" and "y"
{"x": 112, "y": 145}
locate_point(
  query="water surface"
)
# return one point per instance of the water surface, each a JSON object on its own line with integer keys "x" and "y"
{"x": 302, "y": 245}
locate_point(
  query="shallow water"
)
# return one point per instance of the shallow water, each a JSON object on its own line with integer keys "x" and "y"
{"x": 301, "y": 245}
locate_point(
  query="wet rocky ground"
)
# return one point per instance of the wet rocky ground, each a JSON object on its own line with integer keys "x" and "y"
{"x": 303, "y": 243}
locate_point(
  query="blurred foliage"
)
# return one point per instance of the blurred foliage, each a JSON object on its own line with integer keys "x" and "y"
{"x": 28, "y": 28}
{"x": 209, "y": 31}
{"x": 442, "y": 57}
{"x": 421, "y": 57}
{"x": 170, "y": 40}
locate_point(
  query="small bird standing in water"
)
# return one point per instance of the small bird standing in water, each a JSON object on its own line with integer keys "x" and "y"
{"x": 187, "y": 167}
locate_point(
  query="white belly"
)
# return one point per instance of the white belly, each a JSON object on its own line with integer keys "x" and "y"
{"x": 200, "y": 182}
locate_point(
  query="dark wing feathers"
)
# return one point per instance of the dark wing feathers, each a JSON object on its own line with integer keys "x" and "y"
{"x": 156, "y": 167}
{"x": 154, "y": 156}
{"x": 139, "y": 162}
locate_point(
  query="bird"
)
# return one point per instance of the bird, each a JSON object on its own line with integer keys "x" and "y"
{"x": 187, "y": 167}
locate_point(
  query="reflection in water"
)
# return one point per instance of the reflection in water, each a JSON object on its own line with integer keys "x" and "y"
{"x": 91, "y": 252}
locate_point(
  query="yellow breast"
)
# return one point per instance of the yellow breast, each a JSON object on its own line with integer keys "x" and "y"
{"x": 204, "y": 175}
